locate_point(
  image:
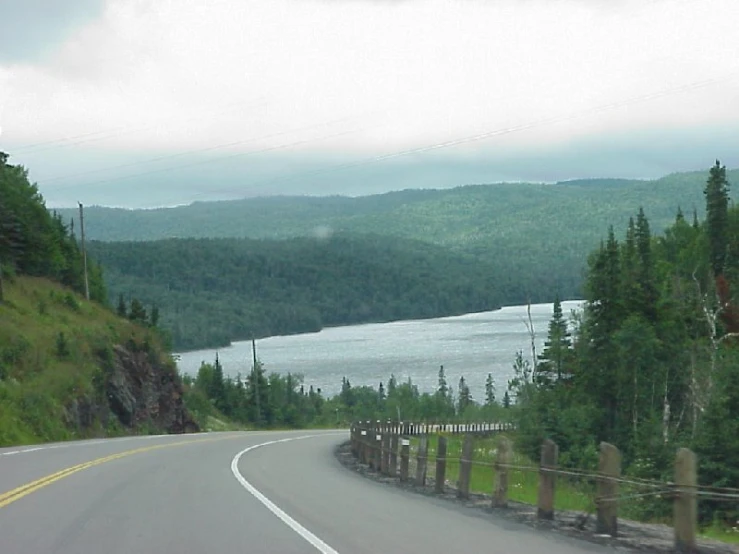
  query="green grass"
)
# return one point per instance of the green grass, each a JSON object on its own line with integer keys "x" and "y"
{"x": 43, "y": 376}
{"x": 523, "y": 486}
{"x": 722, "y": 534}
{"x": 571, "y": 494}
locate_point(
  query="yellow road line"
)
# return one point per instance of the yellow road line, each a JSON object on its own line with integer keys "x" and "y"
{"x": 24, "y": 490}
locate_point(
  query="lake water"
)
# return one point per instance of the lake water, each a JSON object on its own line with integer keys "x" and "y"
{"x": 471, "y": 345}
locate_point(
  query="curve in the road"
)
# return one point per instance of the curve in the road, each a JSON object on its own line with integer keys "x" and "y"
{"x": 321, "y": 546}
{"x": 17, "y": 493}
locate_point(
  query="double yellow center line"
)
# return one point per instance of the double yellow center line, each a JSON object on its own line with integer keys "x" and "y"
{"x": 24, "y": 490}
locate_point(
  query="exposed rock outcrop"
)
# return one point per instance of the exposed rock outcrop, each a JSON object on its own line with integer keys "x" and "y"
{"x": 144, "y": 391}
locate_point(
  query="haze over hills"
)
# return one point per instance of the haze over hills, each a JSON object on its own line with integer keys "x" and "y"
{"x": 535, "y": 236}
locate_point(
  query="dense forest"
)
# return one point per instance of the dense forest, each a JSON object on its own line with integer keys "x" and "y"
{"x": 212, "y": 291}
{"x": 653, "y": 362}
{"x": 35, "y": 242}
{"x": 539, "y": 234}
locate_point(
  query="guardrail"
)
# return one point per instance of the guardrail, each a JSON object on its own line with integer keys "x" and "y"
{"x": 381, "y": 445}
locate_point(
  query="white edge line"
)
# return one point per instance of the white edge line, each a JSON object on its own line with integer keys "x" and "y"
{"x": 271, "y": 506}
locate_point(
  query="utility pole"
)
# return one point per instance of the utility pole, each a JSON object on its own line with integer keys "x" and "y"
{"x": 84, "y": 251}
{"x": 2, "y": 295}
{"x": 255, "y": 379}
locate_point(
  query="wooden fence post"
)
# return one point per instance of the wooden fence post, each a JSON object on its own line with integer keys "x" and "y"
{"x": 393, "y": 467}
{"x": 385, "y": 459}
{"x": 686, "y": 505}
{"x": 405, "y": 455}
{"x": 363, "y": 446}
{"x": 440, "y": 465}
{"x": 465, "y": 467}
{"x": 422, "y": 461}
{"x": 609, "y": 465}
{"x": 503, "y": 459}
{"x": 547, "y": 479}
{"x": 377, "y": 453}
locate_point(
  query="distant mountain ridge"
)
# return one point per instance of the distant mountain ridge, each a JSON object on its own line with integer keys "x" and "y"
{"x": 539, "y": 235}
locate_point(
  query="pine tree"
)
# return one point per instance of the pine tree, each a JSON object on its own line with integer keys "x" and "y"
{"x": 556, "y": 348}
{"x": 154, "y": 316}
{"x": 489, "y": 390}
{"x": 506, "y": 400}
{"x": 137, "y": 313}
{"x": 465, "y": 397}
{"x": 392, "y": 386}
{"x": 381, "y": 392}
{"x": 442, "y": 388}
{"x": 121, "y": 310}
{"x": 717, "y": 219}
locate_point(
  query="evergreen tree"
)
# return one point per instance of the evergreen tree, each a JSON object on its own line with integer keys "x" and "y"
{"x": 442, "y": 388}
{"x": 121, "y": 310}
{"x": 392, "y": 386}
{"x": 465, "y": 396}
{"x": 556, "y": 348}
{"x": 346, "y": 393}
{"x": 137, "y": 313}
{"x": 154, "y": 316}
{"x": 717, "y": 205}
{"x": 489, "y": 390}
{"x": 506, "y": 400}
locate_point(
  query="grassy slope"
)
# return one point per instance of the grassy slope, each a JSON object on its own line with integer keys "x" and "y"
{"x": 36, "y": 387}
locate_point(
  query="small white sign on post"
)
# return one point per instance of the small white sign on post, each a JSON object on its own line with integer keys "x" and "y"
{"x": 364, "y": 433}
{"x": 379, "y": 437}
{"x": 406, "y": 442}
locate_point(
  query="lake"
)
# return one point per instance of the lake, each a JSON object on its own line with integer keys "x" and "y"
{"x": 470, "y": 345}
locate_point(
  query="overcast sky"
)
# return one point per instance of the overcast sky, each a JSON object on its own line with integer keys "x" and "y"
{"x": 150, "y": 102}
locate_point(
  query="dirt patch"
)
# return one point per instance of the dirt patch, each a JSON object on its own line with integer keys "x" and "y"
{"x": 632, "y": 535}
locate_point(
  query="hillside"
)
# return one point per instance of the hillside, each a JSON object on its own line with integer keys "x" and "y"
{"x": 72, "y": 369}
{"x": 212, "y": 291}
{"x": 539, "y": 234}
{"x": 69, "y": 367}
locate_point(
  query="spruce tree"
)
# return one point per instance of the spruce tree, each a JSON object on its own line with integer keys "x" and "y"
{"x": 717, "y": 219}
{"x": 489, "y": 390}
{"x": 556, "y": 348}
{"x": 121, "y": 310}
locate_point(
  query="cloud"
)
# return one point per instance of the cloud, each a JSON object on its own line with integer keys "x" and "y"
{"x": 345, "y": 80}
{"x": 31, "y": 29}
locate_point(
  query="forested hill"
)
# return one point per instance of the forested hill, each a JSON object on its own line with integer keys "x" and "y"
{"x": 540, "y": 234}
{"x": 212, "y": 291}
{"x": 69, "y": 368}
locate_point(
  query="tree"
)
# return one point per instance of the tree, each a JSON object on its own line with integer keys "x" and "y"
{"x": 121, "y": 310}
{"x": 392, "y": 386}
{"x": 154, "y": 316}
{"x": 137, "y": 313}
{"x": 506, "y": 400}
{"x": 717, "y": 205}
{"x": 556, "y": 348}
{"x": 465, "y": 396}
{"x": 489, "y": 390}
{"x": 442, "y": 388}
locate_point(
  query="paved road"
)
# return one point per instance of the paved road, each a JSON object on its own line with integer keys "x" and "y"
{"x": 257, "y": 492}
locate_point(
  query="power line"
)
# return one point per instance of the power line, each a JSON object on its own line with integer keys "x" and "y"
{"x": 188, "y": 153}
{"x": 84, "y": 138}
{"x": 489, "y": 134}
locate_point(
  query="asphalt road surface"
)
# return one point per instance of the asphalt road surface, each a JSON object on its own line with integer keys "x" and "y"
{"x": 258, "y": 492}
